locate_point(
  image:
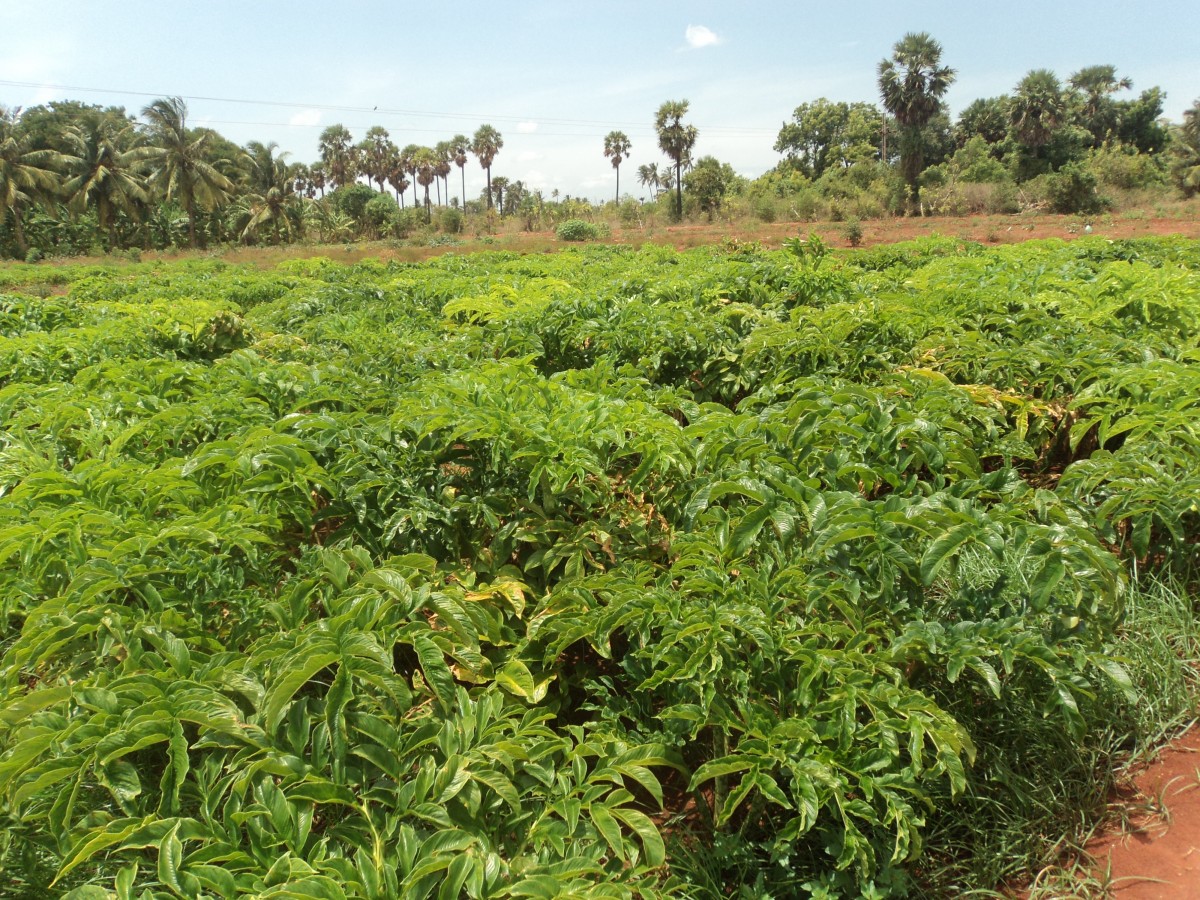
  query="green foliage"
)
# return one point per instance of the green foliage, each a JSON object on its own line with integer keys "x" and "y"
{"x": 577, "y": 230}
{"x": 450, "y": 220}
{"x": 352, "y": 200}
{"x": 824, "y": 133}
{"x": 853, "y": 232}
{"x": 1072, "y": 189}
{"x": 709, "y": 182}
{"x": 609, "y": 573}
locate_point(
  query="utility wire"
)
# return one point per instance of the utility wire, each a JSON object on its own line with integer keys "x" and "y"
{"x": 326, "y": 107}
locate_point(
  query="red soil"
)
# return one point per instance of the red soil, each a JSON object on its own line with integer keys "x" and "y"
{"x": 1156, "y": 856}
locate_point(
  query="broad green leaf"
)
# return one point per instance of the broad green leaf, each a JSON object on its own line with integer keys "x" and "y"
{"x": 297, "y": 673}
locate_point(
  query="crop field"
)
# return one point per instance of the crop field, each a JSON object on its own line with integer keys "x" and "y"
{"x": 609, "y": 573}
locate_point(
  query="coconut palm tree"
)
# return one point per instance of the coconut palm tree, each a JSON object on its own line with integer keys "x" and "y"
{"x": 26, "y": 175}
{"x": 265, "y": 170}
{"x": 272, "y": 187}
{"x": 676, "y": 140}
{"x": 179, "y": 169}
{"x": 912, "y": 84}
{"x": 1185, "y": 152}
{"x": 270, "y": 209}
{"x": 485, "y": 145}
{"x": 616, "y": 147}
{"x": 460, "y": 146}
{"x": 105, "y": 170}
{"x": 648, "y": 177}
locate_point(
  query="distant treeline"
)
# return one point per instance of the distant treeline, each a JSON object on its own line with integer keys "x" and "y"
{"x": 78, "y": 178}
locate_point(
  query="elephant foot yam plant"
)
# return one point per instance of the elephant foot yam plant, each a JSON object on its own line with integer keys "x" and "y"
{"x": 606, "y": 574}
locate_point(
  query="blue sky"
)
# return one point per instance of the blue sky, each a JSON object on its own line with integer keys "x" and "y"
{"x": 555, "y": 77}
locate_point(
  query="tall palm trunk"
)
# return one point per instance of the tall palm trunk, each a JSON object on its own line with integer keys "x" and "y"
{"x": 489, "y": 186}
{"x": 679, "y": 189}
{"x": 462, "y": 170}
{"x": 193, "y": 235}
{"x": 19, "y": 232}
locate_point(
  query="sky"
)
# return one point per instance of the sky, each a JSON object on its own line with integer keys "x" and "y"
{"x": 555, "y": 77}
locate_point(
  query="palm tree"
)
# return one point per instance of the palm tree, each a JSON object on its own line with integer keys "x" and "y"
{"x": 26, "y": 175}
{"x": 105, "y": 170}
{"x": 272, "y": 185}
{"x": 460, "y": 146}
{"x": 409, "y": 166}
{"x": 270, "y": 208}
{"x": 648, "y": 177}
{"x": 1037, "y": 108}
{"x": 425, "y": 164}
{"x": 337, "y": 155}
{"x": 485, "y": 145}
{"x": 180, "y": 170}
{"x": 912, "y": 84}
{"x": 616, "y": 146}
{"x": 377, "y": 152}
{"x": 676, "y": 140}
{"x": 397, "y": 181}
{"x": 265, "y": 169}
{"x": 1097, "y": 84}
{"x": 302, "y": 182}
{"x": 500, "y": 185}
{"x": 1185, "y": 152}
{"x": 318, "y": 178}
{"x": 445, "y": 154}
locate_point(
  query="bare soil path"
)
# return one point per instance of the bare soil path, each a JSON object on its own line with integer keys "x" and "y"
{"x": 1155, "y": 854}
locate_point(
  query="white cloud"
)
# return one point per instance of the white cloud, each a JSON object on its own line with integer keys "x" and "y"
{"x": 528, "y": 156}
{"x": 306, "y": 117}
{"x": 527, "y": 127}
{"x": 536, "y": 179}
{"x": 701, "y": 36}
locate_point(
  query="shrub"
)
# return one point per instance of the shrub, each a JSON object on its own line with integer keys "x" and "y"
{"x": 380, "y": 214}
{"x": 852, "y": 231}
{"x": 577, "y": 230}
{"x": 408, "y": 221}
{"x": 352, "y": 200}
{"x": 1072, "y": 189}
{"x": 961, "y": 198}
{"x": 630, "y": 212}
{"x": 1125, "y": 169}
{"x": 765, "y": 210}
{"x": 450, "y": 220}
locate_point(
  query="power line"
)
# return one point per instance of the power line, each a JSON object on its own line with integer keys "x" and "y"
{"x": 326, "y": 107}
{"x": 204, "y": 121}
